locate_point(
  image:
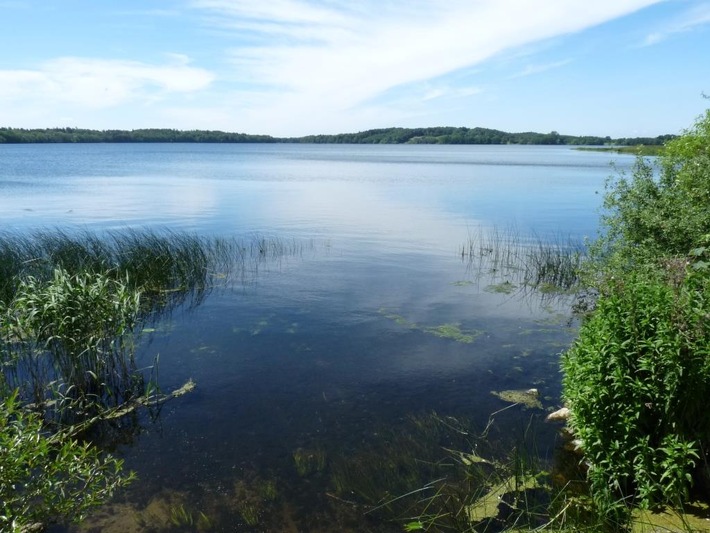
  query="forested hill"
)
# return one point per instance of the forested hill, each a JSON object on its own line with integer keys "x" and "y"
{"x": 446, "y": 135}
{"x": 76, "y": 135}
{"x": 440, "y": 135}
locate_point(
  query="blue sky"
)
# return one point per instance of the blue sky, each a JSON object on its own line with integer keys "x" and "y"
{"x": 298, "y": 67}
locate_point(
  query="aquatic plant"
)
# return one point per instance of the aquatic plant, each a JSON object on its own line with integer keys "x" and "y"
{"x": 267, "y": 489}
{"x": 73, "y": 302}
{"x": 181, "y": 517}
{"x": 444, "y": 331}
{"x": 453, "y": 332}
{"x": 529, "y": 398}
{"x": 64, "y": 343}
{"x": 523, "y": 261}
{"x": 250, "y": 512}
{"x": 554, "y": 265}
{"x": 504, "y": 287}
{"x": 391, "y": 476}
{"x": 165, "y": 266}
{"x": 309, "y": 461}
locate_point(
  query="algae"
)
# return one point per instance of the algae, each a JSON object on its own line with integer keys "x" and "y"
{"x": 487, "y": 506}
{"x": 505, "y": 287}
{"x": 445, "y": 331}
{"x": 529, "y": 398}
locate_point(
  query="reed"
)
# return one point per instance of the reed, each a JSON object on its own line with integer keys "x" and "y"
{"x": 524, "y": 261}
{"x": 164, "y": 265}
{"x": 73, "y": 303}
{"x": 66, "y": 344}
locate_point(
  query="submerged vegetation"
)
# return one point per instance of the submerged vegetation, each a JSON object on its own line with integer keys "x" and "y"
{"x": 445, "y": 331}
{"x": 72, "y": 307}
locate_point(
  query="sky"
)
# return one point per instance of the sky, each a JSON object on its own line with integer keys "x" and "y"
{"x": 623, "y": 68}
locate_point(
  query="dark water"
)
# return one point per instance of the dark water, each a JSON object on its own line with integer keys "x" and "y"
{"x": 331, "y": 349}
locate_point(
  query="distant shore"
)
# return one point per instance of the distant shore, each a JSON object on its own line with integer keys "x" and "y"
{"x": 432, "y": 135}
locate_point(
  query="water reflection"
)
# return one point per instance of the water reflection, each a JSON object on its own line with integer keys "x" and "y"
{"x": 340, "y": 351}
{"x": 226, "y": 188}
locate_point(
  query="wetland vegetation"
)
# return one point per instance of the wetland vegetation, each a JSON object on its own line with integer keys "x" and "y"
{"x": 518, "y": 262}
{"x": 73, "y": 306}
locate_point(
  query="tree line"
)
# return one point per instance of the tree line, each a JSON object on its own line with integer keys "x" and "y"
{"x": 433, "y": 135}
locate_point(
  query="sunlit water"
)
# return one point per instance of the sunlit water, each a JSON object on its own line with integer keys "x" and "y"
{"x": 332, "y": 346}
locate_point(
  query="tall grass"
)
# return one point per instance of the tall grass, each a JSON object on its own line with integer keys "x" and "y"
{"x": 72, "y": 304}
{"x": 67, "y": 347}
{"x": 529, "y": 261}
{"x": 163, "y": 265}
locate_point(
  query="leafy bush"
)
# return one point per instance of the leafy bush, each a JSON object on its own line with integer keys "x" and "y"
{"x": 637, "y": 381}
{"x": 48, "y": 478}
{"x": 662, "y": 210}
{"x": 638, "y": 377}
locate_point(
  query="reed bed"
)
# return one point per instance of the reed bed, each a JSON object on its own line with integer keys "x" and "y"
{"x": 549, "y": 265}
{"x": 72, "y": 305}
{"x": 158, "y": 263}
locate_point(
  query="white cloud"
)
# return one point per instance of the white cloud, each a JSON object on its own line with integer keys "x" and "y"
{"x": 100, "y": 83}
{"x": 325, "y": 58}
{"x": 691, "y": 19}
{"x": 293, "y": 67}
{"x": 537, "y": 69}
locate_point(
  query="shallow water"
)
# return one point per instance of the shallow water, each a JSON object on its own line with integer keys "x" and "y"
{"x": 316, "y": 361}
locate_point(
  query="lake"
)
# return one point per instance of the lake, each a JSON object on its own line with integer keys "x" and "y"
{"x": 368, "y": 337}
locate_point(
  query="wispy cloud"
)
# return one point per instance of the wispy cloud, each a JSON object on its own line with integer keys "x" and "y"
{"x": 329, "y": 57}
{"x": 101, "y": 83}
{"x": 692, "y": 19}
{"x": 447, "y": 91}
{"x": 292, "y": 67}
{"x": 537, "y": 69}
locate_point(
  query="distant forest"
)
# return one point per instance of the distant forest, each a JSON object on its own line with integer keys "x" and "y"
{"x": 439, "y": 135}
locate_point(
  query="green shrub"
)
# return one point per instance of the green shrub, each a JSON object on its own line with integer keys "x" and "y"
{"x": 48, "y": 478}
{"x": 66, "y": 338}
{"x": 638, "y": 377}
{"x": 662, "y": 210}
{"x": 637, "y": 381}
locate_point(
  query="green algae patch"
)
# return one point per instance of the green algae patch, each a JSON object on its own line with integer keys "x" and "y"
{"x": 453, "y": 332}
{"x": 444, "y": 331}
{"x": 488, "y": 506}
{"x": 506, "y": 287}
{"x": 398, "y": 319}
{"x": 529, "y": 398}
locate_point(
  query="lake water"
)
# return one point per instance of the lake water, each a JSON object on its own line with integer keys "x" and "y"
{"x": 313, "y": 367}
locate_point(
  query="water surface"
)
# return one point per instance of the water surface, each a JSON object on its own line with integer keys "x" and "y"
{"x": 332, "y": 348}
